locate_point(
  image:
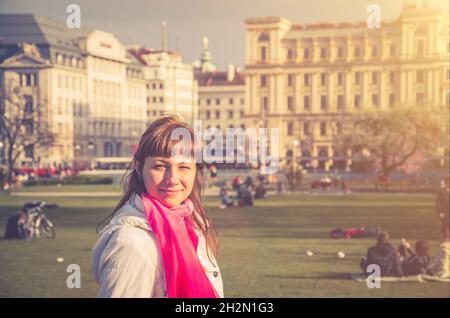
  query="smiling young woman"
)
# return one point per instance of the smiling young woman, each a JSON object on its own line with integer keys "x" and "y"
{"x": 159, "y": 241}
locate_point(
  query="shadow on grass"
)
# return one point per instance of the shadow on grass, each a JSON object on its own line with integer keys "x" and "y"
{"x": 330, "y": 276}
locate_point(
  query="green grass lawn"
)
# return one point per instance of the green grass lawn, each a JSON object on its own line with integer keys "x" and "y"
{"x": 262, "y": 248}
{"x": 72, "y": 188}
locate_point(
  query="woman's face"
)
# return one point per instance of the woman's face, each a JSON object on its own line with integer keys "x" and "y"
{"x": 170, "y": 180}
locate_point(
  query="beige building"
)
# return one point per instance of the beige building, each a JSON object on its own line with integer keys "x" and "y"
{"x": 221, "y": 94}
{"x": 171, "y": 88}
{"x": 92, "y": 93}
{"x": 308, "y": 79}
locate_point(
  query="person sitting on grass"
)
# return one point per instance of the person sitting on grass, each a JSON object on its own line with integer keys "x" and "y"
{"x": 419, "y": 260}
{"x": 244, "y": 196}
{"x": 440, "y": 265}
{"x": 384, "y": 255}
{"x": 225, "y": 198}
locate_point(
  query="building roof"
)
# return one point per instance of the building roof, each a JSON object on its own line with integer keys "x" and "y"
{"x": 217, "y": 78}
{"x": 138, "y": 53}
{"x": 31, "y": 28}
{"x": 47, "y": 34}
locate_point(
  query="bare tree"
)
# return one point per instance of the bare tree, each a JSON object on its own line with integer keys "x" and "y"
{"x": 393, "y": 137}
{"x": 22, "y": 126}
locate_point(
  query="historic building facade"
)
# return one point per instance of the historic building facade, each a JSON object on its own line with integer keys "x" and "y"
{"x": 309, "y": 79}
{"x": 92, "y": 92}
{"x": 221, "y": 94}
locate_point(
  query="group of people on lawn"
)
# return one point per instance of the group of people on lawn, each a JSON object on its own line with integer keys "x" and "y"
{"x": 404, "y": 261}
{"x": 246, "y": 191}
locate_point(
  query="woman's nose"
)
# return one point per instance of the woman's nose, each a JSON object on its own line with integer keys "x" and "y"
{"x": 171, "y": 177}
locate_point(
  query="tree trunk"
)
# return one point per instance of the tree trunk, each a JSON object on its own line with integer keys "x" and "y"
{"x": 10, "y": 167}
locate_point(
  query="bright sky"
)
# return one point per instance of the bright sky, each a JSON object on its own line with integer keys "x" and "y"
{"x": 139, "y": 21}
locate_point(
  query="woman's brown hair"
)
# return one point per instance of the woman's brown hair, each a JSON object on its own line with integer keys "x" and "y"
{"x": 157, "y": 141}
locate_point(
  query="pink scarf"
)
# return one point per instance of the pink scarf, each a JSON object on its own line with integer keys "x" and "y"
{"x": 185, "y": 277}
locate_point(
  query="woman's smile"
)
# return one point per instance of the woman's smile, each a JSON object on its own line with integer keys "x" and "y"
{"x": 170, "y": 191}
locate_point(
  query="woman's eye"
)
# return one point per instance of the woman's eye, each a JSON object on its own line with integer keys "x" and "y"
{"x": 159, "y": 167}
{"x": 185, "y": 167}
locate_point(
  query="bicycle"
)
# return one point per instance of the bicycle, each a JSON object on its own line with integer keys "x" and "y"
{"x": 33, "y": 221}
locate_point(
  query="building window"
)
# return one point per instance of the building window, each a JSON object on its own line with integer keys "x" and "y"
{"x": 357, "y": 52}
{"x": 323, "y": 53}
{"x": 306, "y": 54}
{"x": 231, "y": 101}
{"x": 217, "y": 101}
{"x": 290, "y": 103}
{"x": 27, "y": 79}
{"x": 230, "y": 114}
{"x": 29, "y": 152}
{"x": 265, "y": 102}
{"x": 338, "y": 128}
{"x": 391, "y": 100}
{"x": 420, "y": 77}
{"x": 391, "y": 77}
{"x": 340, "y": 79}
{"x": 161, "y": 99}
{"x": 217, "y": 114}
{"x": 374, "y": 52}
{"x": 340, "y": 52}
{"x": 306, "y": 130}
{"x": 290, "y": 129}
{"x": 323, "y": 129}
{"x": 28, "y": 104}
{"x": 263, "y": 80}
{"x": 375, "y": 101}
{"x": 118, "y": 149}
{"x": 208, "y": 114}
{"x": 375, "y": 78}
{"x": 420, "y": 48}
{"x": 357, "y": 78}
{"x": 357, "y": 101}
{"x": 323, "y": 102}
{"x": 154, "y": 99}
{"x": 392, "y": 50}
{"x": 154, "y": 85}
{"x": 306, "y": 103}
{"x": 290, "y": 54}
{"x": 307, "y": 79}
{"x": 242, "y": 101}
{"x": 263, "y": 53}
{"x": 323, "y": 79}
{"x": 340, "y": 101}
{"x": 241, "y": 113}
{"x": 290, "y": 80}
{"x": 208, "y": 102}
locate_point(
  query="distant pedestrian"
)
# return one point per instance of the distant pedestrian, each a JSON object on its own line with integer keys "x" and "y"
{"x": 442, "y": 208}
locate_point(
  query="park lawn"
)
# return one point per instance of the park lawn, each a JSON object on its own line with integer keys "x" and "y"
{"x": 72, "y": 188}
{"x": 262, "y": 248}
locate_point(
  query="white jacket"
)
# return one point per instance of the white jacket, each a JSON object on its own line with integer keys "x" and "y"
{"x": 127, "y": 260}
